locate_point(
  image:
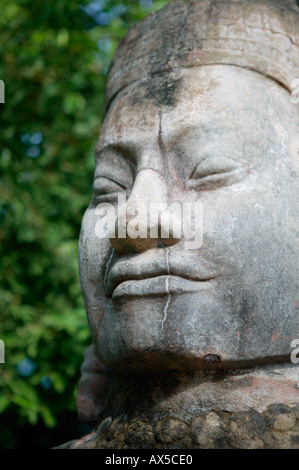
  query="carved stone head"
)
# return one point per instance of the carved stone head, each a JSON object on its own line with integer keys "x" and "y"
{"x": 199, "y": 117}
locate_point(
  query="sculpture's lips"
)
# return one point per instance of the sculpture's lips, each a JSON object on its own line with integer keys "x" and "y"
{"x": 145, "y": 275}
{"x": 158, "y": 285}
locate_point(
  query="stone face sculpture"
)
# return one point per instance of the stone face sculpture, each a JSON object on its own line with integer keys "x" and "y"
{"x": 199, "y": 112}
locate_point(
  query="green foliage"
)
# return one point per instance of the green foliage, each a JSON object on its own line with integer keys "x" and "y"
{"x": 54, "y": 58}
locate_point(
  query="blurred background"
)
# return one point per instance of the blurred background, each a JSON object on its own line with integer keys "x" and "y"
{"x": 54, "y": 57}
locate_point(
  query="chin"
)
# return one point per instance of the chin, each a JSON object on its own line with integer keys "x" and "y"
{"x": 138, "y": 335}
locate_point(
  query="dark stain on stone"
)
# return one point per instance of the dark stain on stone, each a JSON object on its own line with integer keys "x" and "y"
{"x": 245, "y": 309}
{"x": 212, "y": 358}
{"x": 163, "y": 91}
{"x": 258, "y": 424}
{"x": 222, "y": 441}
{"x": 279, "y": 409}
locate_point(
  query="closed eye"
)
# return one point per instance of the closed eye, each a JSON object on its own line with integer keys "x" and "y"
{"x": 105, "y": 188}
{"x": 212, "y": 172}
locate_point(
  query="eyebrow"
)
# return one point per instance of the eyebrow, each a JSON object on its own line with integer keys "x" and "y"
{"x": 213, "y": 126}
{"x": 129, "y": 149}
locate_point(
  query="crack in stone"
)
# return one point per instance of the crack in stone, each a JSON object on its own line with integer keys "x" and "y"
{"x": 169, "y": 180}
{"x": 167, "y": 289}
{"x": 163, "y": 151}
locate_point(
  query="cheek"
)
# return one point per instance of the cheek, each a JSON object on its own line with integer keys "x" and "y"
{"x": 92, "y": 252}
{"x": 239, "y": 231}
{"x": 224, "y": 232}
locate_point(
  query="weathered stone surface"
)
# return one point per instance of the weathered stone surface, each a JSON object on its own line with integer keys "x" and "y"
{"x": 284, "y": 422}
{"x": 221, "y": 136}
{"x": 116, "y": 429}
{"x": 182, "y": 413}
{"x": 246, "y": 430}
{"x": 170, "y": 430}
{"x": 198, "y": 33}
{"x": 139, "y": 435}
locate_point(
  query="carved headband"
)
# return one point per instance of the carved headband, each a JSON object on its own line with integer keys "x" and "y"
{"x": 260, "y": 35}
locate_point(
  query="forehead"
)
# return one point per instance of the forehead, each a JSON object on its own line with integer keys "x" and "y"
{"x": 218, "y": 100}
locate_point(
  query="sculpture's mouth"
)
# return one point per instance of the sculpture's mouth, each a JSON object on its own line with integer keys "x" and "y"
{"x": 159, "y": 285}
{"x": 132, "y": 278}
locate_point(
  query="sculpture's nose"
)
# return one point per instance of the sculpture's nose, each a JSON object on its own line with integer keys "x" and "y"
{"x": 149, "y": 219}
